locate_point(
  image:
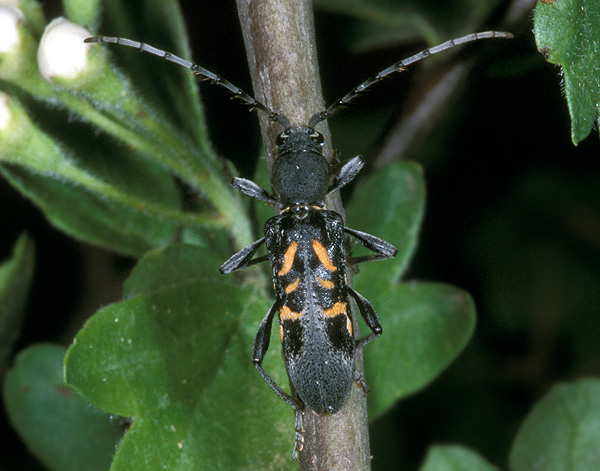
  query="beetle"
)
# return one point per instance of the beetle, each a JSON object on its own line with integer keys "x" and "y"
{"x": 306, "y": 248}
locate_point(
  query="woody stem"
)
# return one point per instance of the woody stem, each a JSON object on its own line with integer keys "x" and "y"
{"x": 280, "y": 44}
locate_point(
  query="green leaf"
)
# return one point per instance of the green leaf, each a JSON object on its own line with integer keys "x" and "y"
{"x": 176, "y": 356}
{"x": 57, "y": 425}
{"x": 82, "y": 12}
{"x": 567, "y": 32}
{"x": 454, "y": 458}
{"x": 91, "y": 216}
{"x": 172, "y": 89}
{"x": 117, "y": 200}
{"x": 389, "y": 204}
{"x": 170, "y": 267}
{"x": 164, "y": 140}
{"x": 425, "y": 327}
{"x": 562, "y": 432}
{"x": 382, "y": 24}
{"x": 15, "y": 279}
{"x": 385, "y": 23}
{"x": 34, "y": 16}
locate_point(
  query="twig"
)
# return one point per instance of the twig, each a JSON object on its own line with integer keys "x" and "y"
{"x": 436, "y": 96}
{"x": 418, "y": 121}
{"x": 280, "y": 44}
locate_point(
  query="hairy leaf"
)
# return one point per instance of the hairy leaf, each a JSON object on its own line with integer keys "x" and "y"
{"x": 567, "y": 33}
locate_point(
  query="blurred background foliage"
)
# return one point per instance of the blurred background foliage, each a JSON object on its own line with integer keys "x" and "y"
{"x": 513, "y": 210}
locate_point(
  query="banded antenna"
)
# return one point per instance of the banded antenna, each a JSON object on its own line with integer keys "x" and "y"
{"x": 401, "y": 66}
{"x": 198, "y": 70}
{"x": 279, "y": 118}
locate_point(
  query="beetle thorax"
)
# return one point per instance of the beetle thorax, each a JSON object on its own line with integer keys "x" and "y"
{"x": 300, "y": 174}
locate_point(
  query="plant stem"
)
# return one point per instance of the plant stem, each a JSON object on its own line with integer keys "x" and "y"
{"x": 280, "y": 44}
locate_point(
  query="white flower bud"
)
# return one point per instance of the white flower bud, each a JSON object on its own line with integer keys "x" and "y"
{"x": 10, "y": 17}
{"x": 62, "y": 52}
{"x": 4, "y": 111}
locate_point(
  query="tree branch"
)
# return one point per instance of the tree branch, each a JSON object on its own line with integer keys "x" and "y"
{"x": 280, "y": 44}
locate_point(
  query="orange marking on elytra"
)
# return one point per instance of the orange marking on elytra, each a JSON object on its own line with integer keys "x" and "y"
{"x": 292, "y": 286}
{"x": 326, "y": 283}
{"x": 288, "y": 259}
{"x": 286, "y": 314}
{"x": 322, "y": 255}
{"x": 349, "y": 325}
{"x": 337, "y": 309}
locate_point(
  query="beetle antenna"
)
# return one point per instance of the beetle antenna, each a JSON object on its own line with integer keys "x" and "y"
{"x": 401, "y": 67}
{"x": 198, "y": 70}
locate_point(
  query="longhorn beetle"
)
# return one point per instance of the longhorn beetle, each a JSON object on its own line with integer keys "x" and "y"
{"x": 306, "y": 249}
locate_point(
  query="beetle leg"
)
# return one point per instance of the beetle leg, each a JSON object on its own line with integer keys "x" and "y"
{"x": 347, "y": 173}
{"x": 361, "y": 383}
{"x": 251, "y": 189}
{"x": 383, "y": 250}
{"x": 299, "y": 440}
{"x": 369, "y": 315}
{"x": 261, "y": 345}
{"x": 372, "y": 319}
{"x": 243, "y": 258}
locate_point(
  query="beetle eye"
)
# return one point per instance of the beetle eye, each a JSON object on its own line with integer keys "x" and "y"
{"x": 281, "y": 138}
{"x": 317, "y": 137}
